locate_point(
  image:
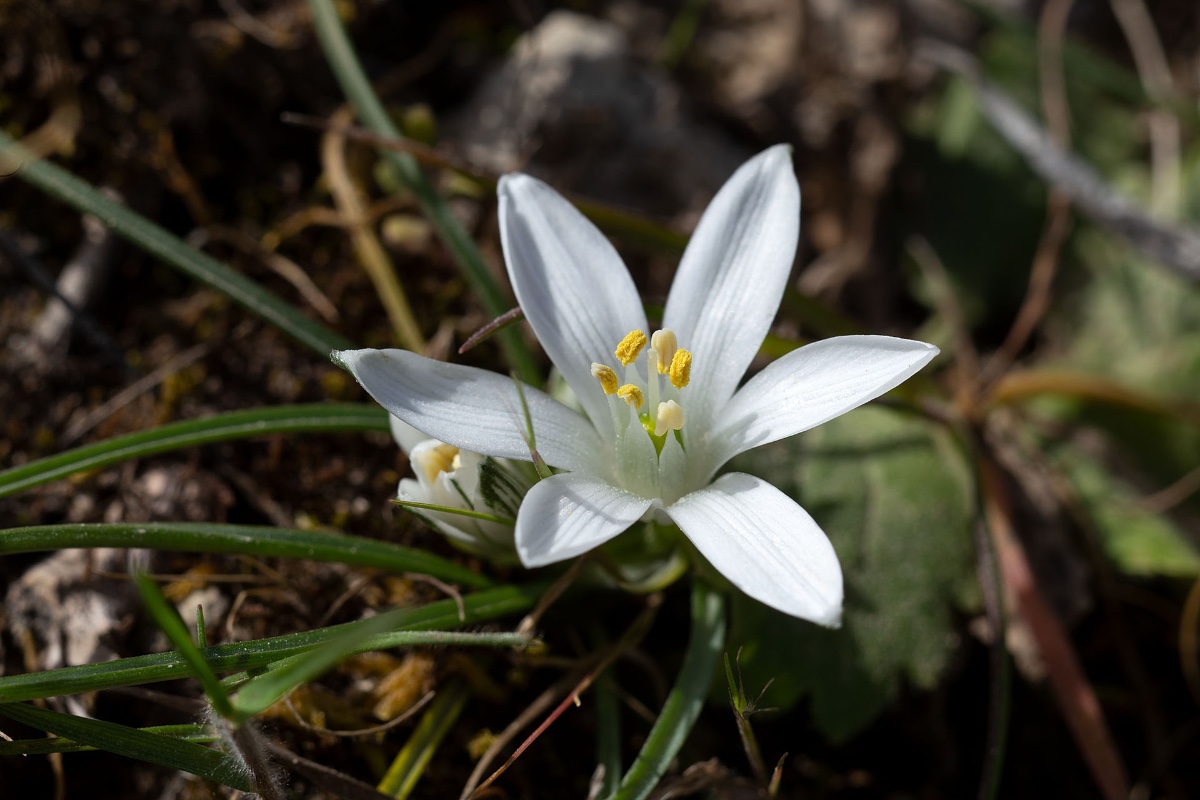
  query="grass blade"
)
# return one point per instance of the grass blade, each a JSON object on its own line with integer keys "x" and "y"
{"x": 435, "y": 723}
{"x": 686, "y": 699}
{"x": 190, "y": 732}
{"x": 344, "y": 63}
{"x": 160, "y": 243}
{"x": 261, "y": 691}
{"x": 169, "y": 621}
{"x": 255, "y": 540}
{"x": 168, "y": 751}
{"x": 476, "y": 608}
{"x": 311, "y": 418}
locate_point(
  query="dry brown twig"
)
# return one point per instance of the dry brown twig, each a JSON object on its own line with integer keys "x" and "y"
{"x": 573, "y": 685}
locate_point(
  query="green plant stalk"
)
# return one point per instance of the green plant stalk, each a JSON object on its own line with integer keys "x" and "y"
{"x": 687, "y": 696}
{"x": 261, "y": 691}
{"x": 308, "y": 418}
{"x": 167, "y": 751}
{"x": 742, "y": 709}
{"x": 608, "y": 734}
{"x": 386, "y": 641}
{"x": 171, "y": 624}
{"x": 436, "y": 722}
{"x": 357, "y": 88}
{"x": 254, "y": 655}
{"x": 254, "y": 540}
{"x": 608, "y": 716}
{"x": 461, "y": 512}
{"x": 189, "y": 732}
{"x": 167, "y": 247}
{"x": 1000, "y": 694}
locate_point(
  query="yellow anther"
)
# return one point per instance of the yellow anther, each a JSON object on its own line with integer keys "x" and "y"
{"x": 632, "y": 395}
{"x": 665, "y": 344}
{"x": 670, "y": 418}
{"x": 607, "y": 377}
{"x": 434, "y": 458}
{"x": 629, "y": 347}
{"x": 680, "y": 371}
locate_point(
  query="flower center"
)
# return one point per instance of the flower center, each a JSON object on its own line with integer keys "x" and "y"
{"x": 435, "y": 459}
{"x": 663, "y": 410}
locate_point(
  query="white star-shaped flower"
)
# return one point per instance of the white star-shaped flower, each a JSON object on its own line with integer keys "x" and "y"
{"x": 663, "y": 412}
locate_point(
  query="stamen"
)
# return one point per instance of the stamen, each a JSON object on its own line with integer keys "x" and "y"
{"x": 670, "y": 418}
{"x": 664, "y": 344}
{"x": 629, "y": 347}
{"x": 631, "y": 395}
{"x": 433, "y": 461}
{"x": 680, "y": 371}
{"x": 607, "y": 377}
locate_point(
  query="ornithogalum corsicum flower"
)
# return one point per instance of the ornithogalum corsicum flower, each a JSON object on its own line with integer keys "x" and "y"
{"x": 662, "y": 410}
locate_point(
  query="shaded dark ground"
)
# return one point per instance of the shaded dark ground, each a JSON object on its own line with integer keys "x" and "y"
{"x": 179, "y": 104}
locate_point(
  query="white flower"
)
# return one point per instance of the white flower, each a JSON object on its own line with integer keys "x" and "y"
{"x": 450, "y": 477}
{"x": 650, "y": 443}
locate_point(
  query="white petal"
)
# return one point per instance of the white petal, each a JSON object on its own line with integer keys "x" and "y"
{"x": 405, "y": 435}
{"x": 473, "y": 409}
{"x": 568, "y": 514}
{"x": 812, "y": 385}
{"x": 732, "y": 275}
{"x": 571, "y": 284}
{"x": 766, "y": 545}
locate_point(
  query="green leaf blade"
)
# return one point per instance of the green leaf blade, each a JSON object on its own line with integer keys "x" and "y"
{"x": 168, "y": 248}
{"x": 240, "y": 656}
{"x": 312, "y": 418}
{"x": 133, "y": 743}
{"x": 255, "y": 540}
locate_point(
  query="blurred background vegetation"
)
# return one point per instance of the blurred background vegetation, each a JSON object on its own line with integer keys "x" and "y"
{"x": 1017, "y": 182}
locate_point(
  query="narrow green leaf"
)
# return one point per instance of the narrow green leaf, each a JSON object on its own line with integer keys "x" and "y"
{"x": 436, "y": 722}
{"x": 386, "y": 641}
{"x": 687, "y": 696}
{"x": 344, "y": 63}
{"x": 259, "y": 693}
{"x": 608, "y": 720}
{"x": 167, "y": 247}
{"x": 370, "y": 643}
{"x": 169, "y": 621}
{"x": 255, "y": 540}
{"x": 480, "y": 607}
{"x": 462, "y": 512}
{"x": 314, "y": 418}
{"x": 167, "y": 751}
{"x": 191, "y": 732}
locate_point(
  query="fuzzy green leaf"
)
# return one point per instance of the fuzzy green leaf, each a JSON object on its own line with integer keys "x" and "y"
{"x": 168, "y": 751}
{"x": 892, "y": 493}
